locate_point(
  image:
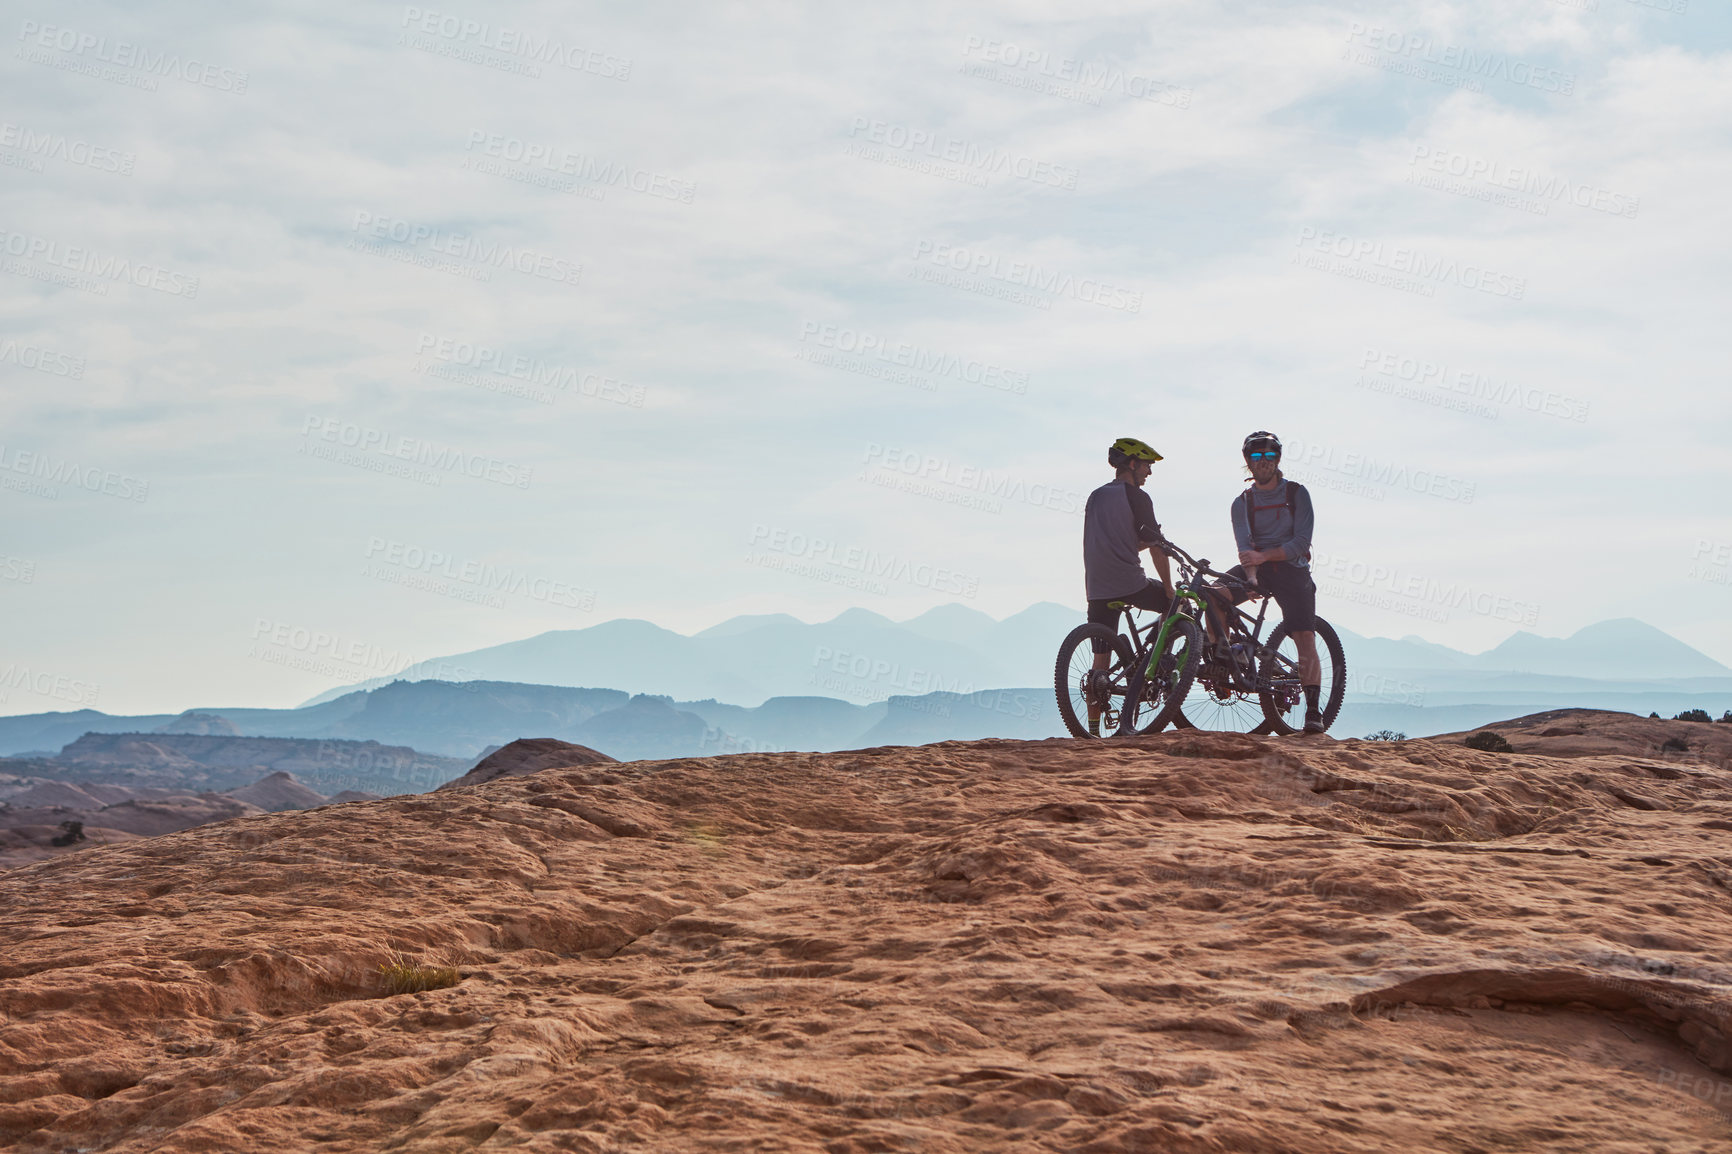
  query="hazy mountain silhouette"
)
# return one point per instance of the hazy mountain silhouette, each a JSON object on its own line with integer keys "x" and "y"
{"x": 631, "y": 689}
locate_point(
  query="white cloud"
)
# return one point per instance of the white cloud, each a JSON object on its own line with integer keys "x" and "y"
{"x": 1196, "y": 202}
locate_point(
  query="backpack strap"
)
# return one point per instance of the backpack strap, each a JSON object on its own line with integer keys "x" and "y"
{"x": 1252, "y": 509}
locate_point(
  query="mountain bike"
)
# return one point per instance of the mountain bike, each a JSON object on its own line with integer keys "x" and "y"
{"x": 1232, "y": 680}
{"x": 1082, "y": 689}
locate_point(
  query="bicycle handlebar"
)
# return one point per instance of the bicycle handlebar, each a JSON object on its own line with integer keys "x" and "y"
{"x": 1198, "y": 567}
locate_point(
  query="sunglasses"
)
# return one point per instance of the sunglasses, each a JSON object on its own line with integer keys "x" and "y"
{"x": 1264, "y": 456}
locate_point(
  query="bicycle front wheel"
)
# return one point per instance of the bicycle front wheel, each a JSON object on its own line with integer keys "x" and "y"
{"x": 1090, "y": 700}
{"x": 1283, "y": 696}
{"x": 1158, "y": 688}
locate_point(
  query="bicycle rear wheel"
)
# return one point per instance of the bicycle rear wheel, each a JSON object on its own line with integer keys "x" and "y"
{"x": 1080, "y": 687}
{"x": 1283, "y": 699}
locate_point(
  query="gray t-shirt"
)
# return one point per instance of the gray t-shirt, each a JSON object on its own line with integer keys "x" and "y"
{"x": 1118, "y": 520}
{"x": 1272, "y": 524}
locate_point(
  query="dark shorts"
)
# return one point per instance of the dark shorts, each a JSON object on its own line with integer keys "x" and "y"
{"x": 1292, "y": 587}
{"x": 1152, "y": 597}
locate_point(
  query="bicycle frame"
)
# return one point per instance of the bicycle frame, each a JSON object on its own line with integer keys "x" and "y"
{"x": 1191, "y": 604}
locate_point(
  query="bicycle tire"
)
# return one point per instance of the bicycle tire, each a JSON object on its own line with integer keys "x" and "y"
{"x": 1336, "y": 672}
{"x": 1180, "y": 721}
{"x": 1071, "y": 695}
{"x": 1172, "y": 675}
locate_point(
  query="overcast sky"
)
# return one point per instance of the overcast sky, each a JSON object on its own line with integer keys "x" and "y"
{"x": 337, "y": 339}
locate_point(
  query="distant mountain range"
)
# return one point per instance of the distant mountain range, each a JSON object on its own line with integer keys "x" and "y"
{"x": 862, "y": 657}
{"x": 858, "y": 656}
{"x": 452, "y": 720}
{"x": 772, "y": 683}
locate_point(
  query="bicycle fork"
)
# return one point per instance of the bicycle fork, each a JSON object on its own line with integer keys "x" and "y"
{"x": 1176, "y": 613}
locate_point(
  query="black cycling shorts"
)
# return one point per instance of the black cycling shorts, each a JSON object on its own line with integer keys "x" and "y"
{"x": 1292, "y": 587}
{"x": 1152, "y": 596}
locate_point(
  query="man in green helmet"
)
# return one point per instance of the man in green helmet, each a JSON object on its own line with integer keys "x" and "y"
{"x": 1118, "y": 524}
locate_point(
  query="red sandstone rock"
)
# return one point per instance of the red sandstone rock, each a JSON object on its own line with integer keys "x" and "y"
{"x": 528, "y": 755}
{"x": 1180, "y": 943}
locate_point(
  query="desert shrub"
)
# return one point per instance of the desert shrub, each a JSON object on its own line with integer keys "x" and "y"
{"x": 1727, "y": 716}
{"x": 400, "y": 975}
{"x": 1386, "y": 735}
{"x": 1693, "y": 715}
{"x": 1674, "y": 745}
{"x": 1490, "y": 742}
{"x": 1655, "y": 716}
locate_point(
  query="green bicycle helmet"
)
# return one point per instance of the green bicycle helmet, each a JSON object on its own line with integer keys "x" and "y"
{"x": 1127, "y": 449}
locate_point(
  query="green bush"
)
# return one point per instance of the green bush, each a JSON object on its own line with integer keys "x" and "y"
{"x": 1693, "y": 715}
{"x": 1727, "y": 716}
{"x": 1386, "y": 735}
{"x": 1674, "y": 745}
{"x": 1490, "y": 742}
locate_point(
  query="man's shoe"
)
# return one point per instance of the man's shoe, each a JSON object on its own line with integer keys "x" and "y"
{"x": 1313, "y": 721}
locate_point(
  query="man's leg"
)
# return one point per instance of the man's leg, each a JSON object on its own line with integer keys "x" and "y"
{"x": 1310, "y": 669}
{"x": 1100, "y": 614}
{"x": 1296, "y": 594}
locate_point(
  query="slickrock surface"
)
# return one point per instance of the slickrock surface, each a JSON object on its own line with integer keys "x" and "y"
{"x": 1176, "y": 943}
{"x": 1591, "y": 732}
{"x": 528, "y": 755}
{"x": 278, "y": 792}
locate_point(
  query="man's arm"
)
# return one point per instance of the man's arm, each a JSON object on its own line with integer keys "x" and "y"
{"x": 1163, "y": 566}
{"x": 1248, "y": 557}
